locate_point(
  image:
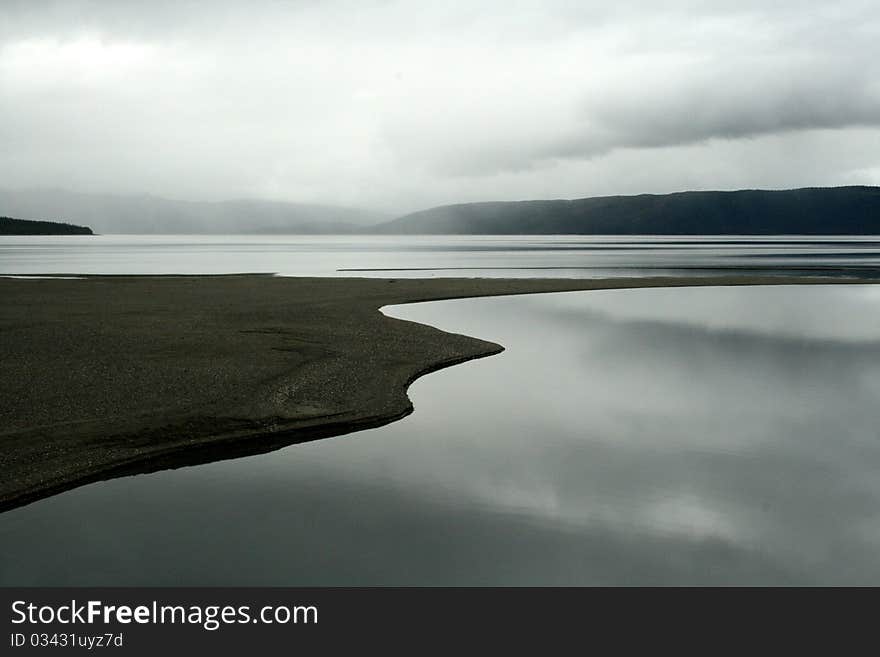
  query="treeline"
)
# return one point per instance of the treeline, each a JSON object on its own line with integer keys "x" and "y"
{"x": 10, "y": 226}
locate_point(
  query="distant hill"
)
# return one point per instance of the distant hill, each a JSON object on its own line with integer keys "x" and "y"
{"x": 10, "y": 226}
{"x": 151, "y": 214}
{"x": 810, "y": 211}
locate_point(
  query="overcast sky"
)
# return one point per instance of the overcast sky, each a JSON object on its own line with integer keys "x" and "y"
{"x": 404, "y": 105}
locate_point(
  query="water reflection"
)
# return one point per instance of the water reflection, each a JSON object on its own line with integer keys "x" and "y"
{"x": 716, "y": 435}
{"x": 566, "y": 256}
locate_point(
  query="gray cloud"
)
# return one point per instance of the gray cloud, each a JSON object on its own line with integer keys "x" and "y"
{"x": 402, "y": 104}
{"x": 728, "y": 76}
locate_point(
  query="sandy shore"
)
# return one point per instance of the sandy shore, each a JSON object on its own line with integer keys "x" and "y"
{"x": 109, "y": 376}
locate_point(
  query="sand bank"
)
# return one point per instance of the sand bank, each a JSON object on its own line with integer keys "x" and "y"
{"x": 110, "y": 376}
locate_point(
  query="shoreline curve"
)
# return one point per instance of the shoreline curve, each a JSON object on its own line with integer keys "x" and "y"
{"x": 111, "y": 376}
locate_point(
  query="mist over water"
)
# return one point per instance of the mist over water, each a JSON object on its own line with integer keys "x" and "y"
{"x": 663, "y": 436}
{"x": 655, "y": 436}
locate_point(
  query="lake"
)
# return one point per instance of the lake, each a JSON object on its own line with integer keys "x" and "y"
{"x": 658, "y": 436}
{"x": 398, "y": 256}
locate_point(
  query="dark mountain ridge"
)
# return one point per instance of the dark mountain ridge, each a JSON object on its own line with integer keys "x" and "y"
{"x": 10, "y": 226}
{"x": 807, "y": 211}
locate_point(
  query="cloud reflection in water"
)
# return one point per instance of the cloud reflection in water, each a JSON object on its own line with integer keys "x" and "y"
{"x": 681, "y": 436}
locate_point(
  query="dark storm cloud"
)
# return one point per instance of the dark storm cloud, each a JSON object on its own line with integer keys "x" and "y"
{"x": 731, "y": 103}
{"x": 402, "y": 104}
{"x": 672, "y": 80}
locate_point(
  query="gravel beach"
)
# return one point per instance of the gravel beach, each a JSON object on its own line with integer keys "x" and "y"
{"x": 108, "y": 376}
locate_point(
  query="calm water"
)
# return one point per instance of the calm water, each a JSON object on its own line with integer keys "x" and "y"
{"x": 564, "y": 256}
{"x": 716, "y": 435}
